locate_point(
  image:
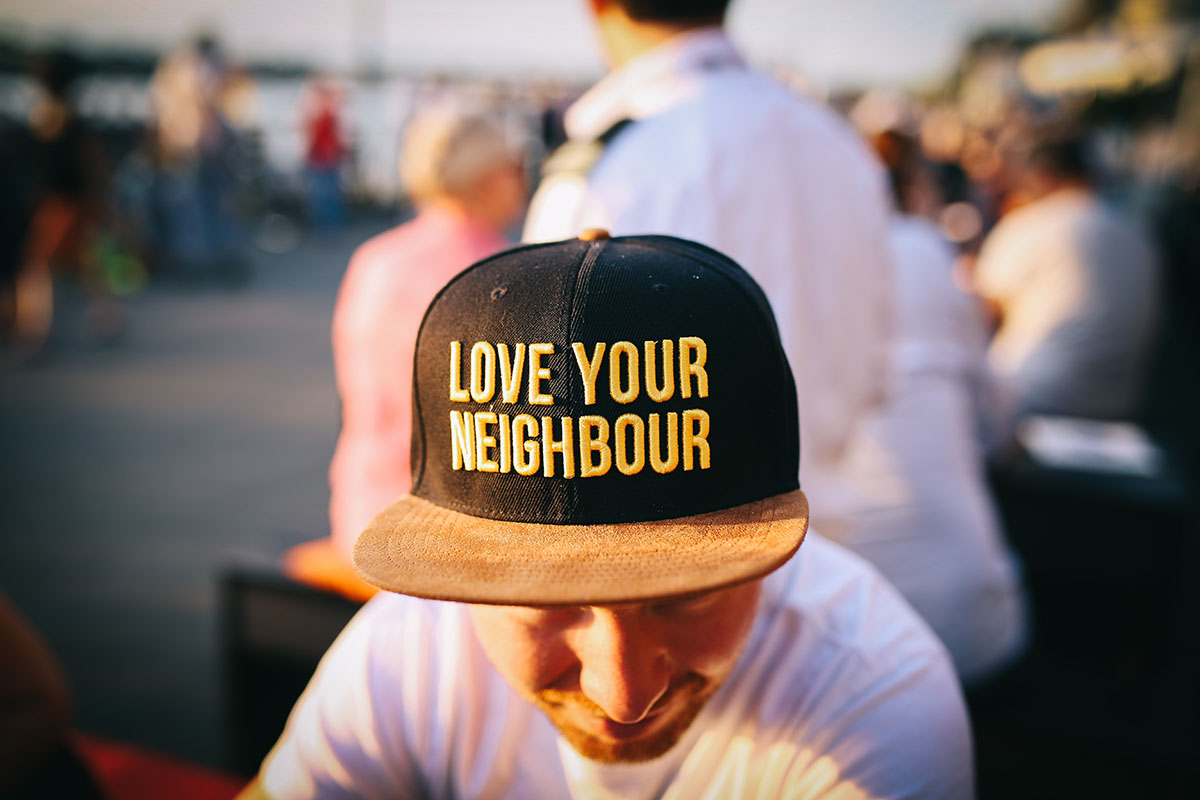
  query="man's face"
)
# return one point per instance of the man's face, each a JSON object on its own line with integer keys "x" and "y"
{"x": 620, "y": 682}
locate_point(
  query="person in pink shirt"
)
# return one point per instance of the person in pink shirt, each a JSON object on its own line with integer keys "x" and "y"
{"x": 466, "y": 179}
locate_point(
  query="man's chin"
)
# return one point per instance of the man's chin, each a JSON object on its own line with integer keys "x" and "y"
{"x": 612, "y": 743}
{"x": 630, "y": 751}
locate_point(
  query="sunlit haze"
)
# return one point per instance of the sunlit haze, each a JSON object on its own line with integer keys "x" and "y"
{"x": 851, "y": 42}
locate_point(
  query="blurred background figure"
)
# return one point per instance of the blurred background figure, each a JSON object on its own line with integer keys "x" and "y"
{"x": 197, "y": 234}
{"x": 14, "y": 219}
{"x": 926, "y": 517}
{"x": 42, "y": 756}
{"x": 325, "y": 152}
{"x": 466, "y": 177}
{"x": 69, "y": 179}
{"x": 682, "y": 137}
{"x": 1073, "y": 284}
{"x": 36, "y": 759}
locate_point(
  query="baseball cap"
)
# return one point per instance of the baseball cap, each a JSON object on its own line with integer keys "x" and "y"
{"x": 598, "y": 420}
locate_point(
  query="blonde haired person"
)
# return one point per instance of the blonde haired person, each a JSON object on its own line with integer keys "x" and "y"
{"x": 465, "y": 177}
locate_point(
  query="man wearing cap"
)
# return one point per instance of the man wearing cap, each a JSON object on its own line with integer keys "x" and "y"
{"x": 682, "y": 138}
{"x": 596, "y": 587}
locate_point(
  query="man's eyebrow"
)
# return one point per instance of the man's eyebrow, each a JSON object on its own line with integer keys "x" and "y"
{"x": 687, "y": 600}
{"x": 545, "y": 609}
{"x": 675, "y": 600}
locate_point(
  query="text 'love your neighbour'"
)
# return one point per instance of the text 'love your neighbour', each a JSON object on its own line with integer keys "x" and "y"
{"x": 488, "y": 441}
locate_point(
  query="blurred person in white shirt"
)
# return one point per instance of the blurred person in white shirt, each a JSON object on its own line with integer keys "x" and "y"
{"x": 682, "y": 138}
{"x": 926, "y": 518}
{"x": 1074, "y": 285}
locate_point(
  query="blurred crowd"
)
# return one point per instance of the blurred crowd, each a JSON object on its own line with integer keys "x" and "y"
{"x": 118, "y": 176}
{"x": 1039, "y": 256}
{"x": 1067, "y": 212}
{"x": 124, "y": 170}
{"x": 1042, "y": 246}
{"x": 1035, "y": 268}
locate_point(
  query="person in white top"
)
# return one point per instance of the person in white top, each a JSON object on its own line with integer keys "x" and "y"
{"x": 1074, "y": 284}
{"x": 926, "y": 518}
{"x": 693, "y": 143}
{"x": 841, "y": 692}
{"x": 606, "y": 536}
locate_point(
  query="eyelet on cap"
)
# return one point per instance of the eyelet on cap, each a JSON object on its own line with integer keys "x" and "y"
{"x": 592, "y": 234}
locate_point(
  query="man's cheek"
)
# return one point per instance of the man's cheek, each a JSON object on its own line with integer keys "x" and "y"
{"x": 706, "y": 660}
{"x": 715, "y": 654}
{"x": 555, "y": 666}
{"x": 536, "y": 662}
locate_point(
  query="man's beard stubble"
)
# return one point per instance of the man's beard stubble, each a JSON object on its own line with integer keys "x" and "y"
{"x": 688, "y": 693}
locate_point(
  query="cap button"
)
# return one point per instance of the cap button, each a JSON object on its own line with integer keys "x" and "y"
{"x": 592, "y": 234}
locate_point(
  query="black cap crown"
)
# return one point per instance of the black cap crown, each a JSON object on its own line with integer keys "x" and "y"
{"x": 602, "y": 380}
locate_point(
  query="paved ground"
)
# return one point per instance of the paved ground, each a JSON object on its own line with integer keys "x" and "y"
{"x": 129, "y": 475}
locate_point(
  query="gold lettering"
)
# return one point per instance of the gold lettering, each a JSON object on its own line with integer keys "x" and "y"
{"x": 624, "y": 465}
{"x": 457, "y": 393}
{"x": 589, "y": 371}
{"x": 693, "y": 437}
{"x": 655, "y": 444}
{"x": 505, "y": 443}
{"x": 668, "y": 387}
{"x": 483, "y": 372}
{"x": 565, "y": 445}
{"x": 589, "y": 444}
{"x": 510, "y": 373}
{"x": 538, "y": 373}
{"x": 462, "y": 440}
{"x": 631, "y": 372}
{"x": 484, "y": 442}
{"x": 688, "y": 366}
{"x": 601, "y": 444}
{"x": 524, "y": 425}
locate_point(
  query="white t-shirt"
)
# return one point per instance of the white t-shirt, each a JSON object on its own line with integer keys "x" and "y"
{"x": 1078, "y": 286}
{"x": 927, "y": 521}
{"x": 841, "y": 692}
{"x": 725, "y": 156}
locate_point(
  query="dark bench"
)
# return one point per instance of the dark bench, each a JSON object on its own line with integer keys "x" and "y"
{"x": 1106, "y": 702}
{"x": 274, "y": 631}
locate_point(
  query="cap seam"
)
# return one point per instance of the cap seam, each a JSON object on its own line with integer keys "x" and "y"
{"x": 418, "y": 471}
{"x": 760, "y": 300}
{"x": 582, "y": 273}
{"x": 714, "y": 264}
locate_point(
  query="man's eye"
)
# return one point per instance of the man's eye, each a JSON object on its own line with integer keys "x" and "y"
{"x": 686, "y": 607}
{"x": 548, "y": 616}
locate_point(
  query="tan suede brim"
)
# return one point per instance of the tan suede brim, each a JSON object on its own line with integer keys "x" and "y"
{"x": 416, "y": 547}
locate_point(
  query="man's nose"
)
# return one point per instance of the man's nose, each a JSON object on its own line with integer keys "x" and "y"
{"x": 624, "y": 664}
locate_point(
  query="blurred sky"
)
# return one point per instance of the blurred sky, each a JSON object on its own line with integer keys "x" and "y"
{"x": 833, "y": 42}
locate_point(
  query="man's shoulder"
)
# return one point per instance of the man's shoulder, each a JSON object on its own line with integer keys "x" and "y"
{"x": 389, "y": 610}
{"x": 751, "y": 90}
{"x": 843, "y": 674}
{"x": 842, "y": 600}
{"x": 388, "y": 620}
{"x": 402, "y": 641}
{"x": 744, "y": 112}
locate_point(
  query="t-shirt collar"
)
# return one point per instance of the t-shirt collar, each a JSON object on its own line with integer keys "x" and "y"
{"x": 650, "y": 83}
